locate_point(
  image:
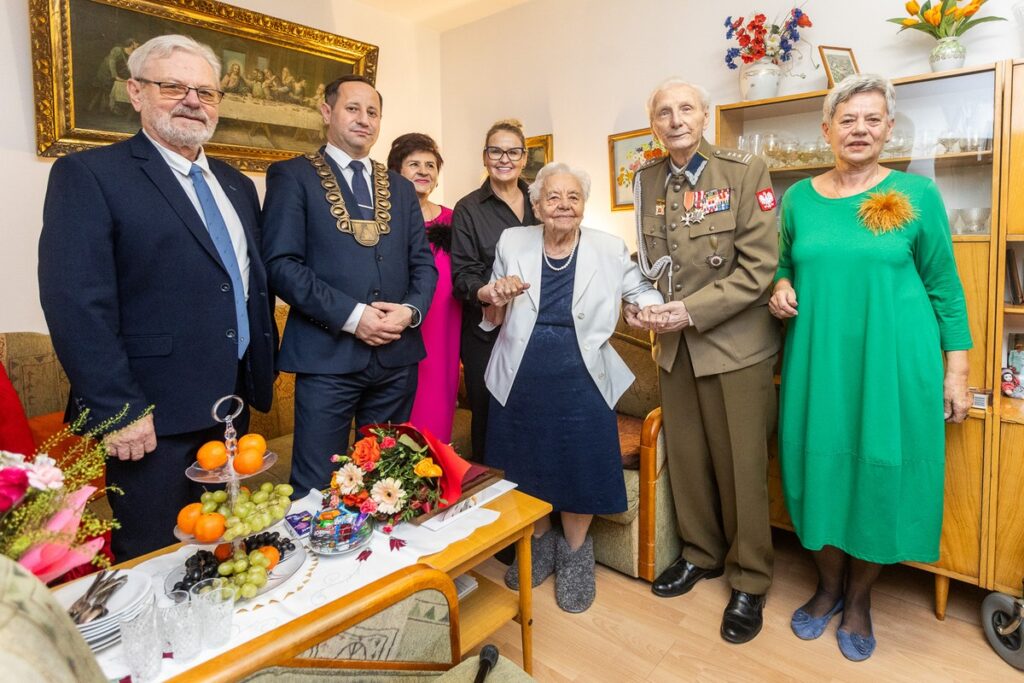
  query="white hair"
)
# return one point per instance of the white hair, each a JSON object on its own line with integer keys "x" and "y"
{"x": 702, "y": 92}
{"x": 557, "y": 168}
{"x": 855, "y": 84}
{"x": 164, "y": 46}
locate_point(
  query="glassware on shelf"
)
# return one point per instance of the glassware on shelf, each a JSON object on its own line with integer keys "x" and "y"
{"x": 899, "y": 145}
{"x": 954, "y": 221}
{"x": 790, "y": 152}
{"x": 975, "y": 140}
{"x": 772, "y": 146}
{"x": 755, "y": 144}
{"x": 975, "y": 220}
{"x": 807, "y": 154}
{"x": 825, "y": 154}
{"x": 949, "y": 142}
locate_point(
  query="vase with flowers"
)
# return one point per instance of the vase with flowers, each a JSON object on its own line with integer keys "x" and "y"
{"x": 764, "y": 49}
{"x": 946, "y": 21}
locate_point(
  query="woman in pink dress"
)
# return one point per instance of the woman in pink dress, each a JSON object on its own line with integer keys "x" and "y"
{"x": 415, "y": 156}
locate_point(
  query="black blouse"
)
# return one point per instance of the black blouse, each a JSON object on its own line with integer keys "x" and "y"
{"x": 479, "y": 219}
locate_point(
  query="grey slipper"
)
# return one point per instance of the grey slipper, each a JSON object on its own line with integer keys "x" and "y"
{"x": 542, "y": 561}
{"x": 575, "y": 587}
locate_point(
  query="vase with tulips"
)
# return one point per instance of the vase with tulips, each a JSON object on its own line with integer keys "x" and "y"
{"x": 946, "y": 21}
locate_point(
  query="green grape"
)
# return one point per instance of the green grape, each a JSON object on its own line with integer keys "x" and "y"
{"x": 237, "y": 595}
{"x": 257, "y": 576}
{"x": 258, "y": 559}
{"x": 229, "y": 535}
{"x": 267, "y": 486}
{"x": 241, "y": 565}
{"x": 209, "y": 507}
{"x": 254, "y": 557}
{"x": 233, "y": 520}
{"x": 239, "y": 579}
{"x": 256, "y": 524}
{"x": 226, "y": 568}
{"x": 267, "y": 519}
{"x": 276, "y": 512}
{"x": 224, "y": 510}
{"x": 285, "y": 490}
{"x": 220, "y": 496}
{"x": 260, "y": 496}
{"x": 248, "y": 590}
{"x": 245, "y": 509}
{"x": 206, "y": 497}
{"x": 243, "y": 529}
{"x": 238, "y": 555}
{"x": 242, "y": 497}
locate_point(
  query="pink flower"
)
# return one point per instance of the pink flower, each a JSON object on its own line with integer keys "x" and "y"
{"x": 13, "y": 484}
{"x": 388, "y": 442}
{"x": 369, "y": 466}
{"x": 335, "y": 458}
{"x": 368, "y": 507}
{"x": 387, "y": 528}
{"x": 43, "y": 474}
{"x": 48, "y": 560}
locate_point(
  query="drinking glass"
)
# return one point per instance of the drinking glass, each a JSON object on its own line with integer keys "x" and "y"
{"x": 790, "y": 151}
{"x": 141, "y": 644}
{"x": 954, "y": 217}
{"x": 215, "y": 599}
{"x": 179, "y": 624}
{"x": 755, "y": 144}
{"x": 807, "y": 155}
{"x": 950, "y": 140}
{"x": 773, "y": 149}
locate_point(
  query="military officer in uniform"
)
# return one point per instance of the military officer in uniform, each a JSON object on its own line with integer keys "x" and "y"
{"x": 707, "y": 236}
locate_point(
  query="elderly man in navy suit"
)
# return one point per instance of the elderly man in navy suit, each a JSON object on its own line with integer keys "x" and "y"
{"x": 345, "y": 247}
{"x": 153, "y": 289}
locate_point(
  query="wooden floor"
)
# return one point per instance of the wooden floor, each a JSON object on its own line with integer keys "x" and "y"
{"x": 631, "y": 635}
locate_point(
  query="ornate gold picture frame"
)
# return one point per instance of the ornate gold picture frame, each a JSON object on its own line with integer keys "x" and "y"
{"x": 627, "y": 152}
{"x": 540, "y": 150}
{"x": 273, "y": 73}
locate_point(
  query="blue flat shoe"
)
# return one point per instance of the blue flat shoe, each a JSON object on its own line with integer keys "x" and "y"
{"x": 855, "y": 647}
{"x": 807, "y": 627}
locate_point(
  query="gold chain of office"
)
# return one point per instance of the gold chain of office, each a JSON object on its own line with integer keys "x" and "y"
{"x": 366, "y": 233}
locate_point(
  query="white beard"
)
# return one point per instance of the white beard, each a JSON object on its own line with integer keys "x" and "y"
{"x": 165, "y": 127}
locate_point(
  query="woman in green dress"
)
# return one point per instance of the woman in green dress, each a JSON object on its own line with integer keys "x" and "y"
{"x": 867, "y": 278}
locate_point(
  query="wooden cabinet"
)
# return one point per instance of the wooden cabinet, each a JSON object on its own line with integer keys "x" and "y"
{"x": 959, "y": 128}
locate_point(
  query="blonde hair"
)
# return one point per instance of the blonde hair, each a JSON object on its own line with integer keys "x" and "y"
{"x": 514, "y": 126}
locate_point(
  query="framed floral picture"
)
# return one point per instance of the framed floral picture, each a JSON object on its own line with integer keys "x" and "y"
{"x": 539, "y": 151}
{"x": 626, "y": 153}
{"x": 273, "y": 76}
{"x": 839, "y": 63}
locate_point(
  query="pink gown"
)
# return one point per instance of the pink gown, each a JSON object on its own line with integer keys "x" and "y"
{"x": 434, "y": 407}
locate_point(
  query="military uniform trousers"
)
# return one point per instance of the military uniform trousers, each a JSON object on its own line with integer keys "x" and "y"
{"x": 716, "y": 435}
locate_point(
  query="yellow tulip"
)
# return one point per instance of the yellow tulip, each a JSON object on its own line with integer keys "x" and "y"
{"x": 909, "y": 21}
{"x": 951, "y": 10}
{"x": 913, "y": 8}
{"x": 933, "y": 16}
{"x": 427, "y": 468}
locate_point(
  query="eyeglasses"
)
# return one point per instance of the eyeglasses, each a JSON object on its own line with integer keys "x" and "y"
{"x": 179, "y": 91}
{"x": 496, "y": 153}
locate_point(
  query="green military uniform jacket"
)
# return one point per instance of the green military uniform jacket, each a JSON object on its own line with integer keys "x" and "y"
{"x": 722, "y": 265}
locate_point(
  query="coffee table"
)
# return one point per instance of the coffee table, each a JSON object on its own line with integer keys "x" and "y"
{"x": 481, "y": 613}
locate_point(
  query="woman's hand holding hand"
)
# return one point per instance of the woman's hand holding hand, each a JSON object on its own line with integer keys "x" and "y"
{"x": 502, "y": 291}
{"x": 782, "y": 303}
{"x": 956, "y": 397}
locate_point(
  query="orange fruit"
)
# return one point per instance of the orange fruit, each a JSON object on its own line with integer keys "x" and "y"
{"x": 209, "y": 527}
{"x": 188, "y": 515}
{"x": 273, "y": 554}
{"x": 223, "y": 552}
{"x": 248, "y": 460}
{"x": 253, "y": 441}
{"x": 212, "y": 454}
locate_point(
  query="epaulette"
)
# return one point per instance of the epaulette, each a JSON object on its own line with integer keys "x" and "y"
{"x": 736, "y": 155}
{"x": 650, "y": 164}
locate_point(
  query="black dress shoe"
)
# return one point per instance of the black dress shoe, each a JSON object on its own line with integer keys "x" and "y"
{"x": 680, "y": 577}
{"x": 742, "y": 618}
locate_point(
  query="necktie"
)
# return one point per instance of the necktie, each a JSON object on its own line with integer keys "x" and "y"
{"x": 361, "y": 191}
{"x": 222, "y": 241}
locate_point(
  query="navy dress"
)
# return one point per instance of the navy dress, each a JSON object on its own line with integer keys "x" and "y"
{"x": 556, "y": 437}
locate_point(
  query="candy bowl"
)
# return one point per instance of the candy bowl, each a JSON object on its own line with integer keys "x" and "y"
{"x": 337, "y": 531}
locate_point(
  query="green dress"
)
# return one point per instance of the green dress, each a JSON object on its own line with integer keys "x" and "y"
{"x": 861, "y": 430}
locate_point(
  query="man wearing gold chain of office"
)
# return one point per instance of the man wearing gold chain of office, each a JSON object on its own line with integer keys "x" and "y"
{"x": 706, "y": 231}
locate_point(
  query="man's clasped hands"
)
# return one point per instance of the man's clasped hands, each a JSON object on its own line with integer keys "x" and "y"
{"x": 667, "y": 317}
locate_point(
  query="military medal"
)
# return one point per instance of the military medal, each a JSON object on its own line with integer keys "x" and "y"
{"x": 366, "y": 233}
{"x": 694, "y": 214}
{"x": 659, "y": 207}
{"x": 715, "y": 260}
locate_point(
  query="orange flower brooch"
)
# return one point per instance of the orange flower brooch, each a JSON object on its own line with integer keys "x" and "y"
{"x": 886, "y": 211}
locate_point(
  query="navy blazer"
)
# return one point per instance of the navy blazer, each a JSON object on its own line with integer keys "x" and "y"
{"x": 322, "y": 273}
{"x": 137, "y": 301}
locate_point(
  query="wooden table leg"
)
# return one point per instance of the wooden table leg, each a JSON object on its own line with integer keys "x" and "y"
{"x": 941, "y": 595}
{"x": 526, "y": 596}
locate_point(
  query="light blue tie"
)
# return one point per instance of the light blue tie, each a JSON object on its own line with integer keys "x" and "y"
{"x": 222, "y": 240}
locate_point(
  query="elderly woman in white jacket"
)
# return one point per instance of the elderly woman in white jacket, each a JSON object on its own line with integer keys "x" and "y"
{"x": 554, "y": 378}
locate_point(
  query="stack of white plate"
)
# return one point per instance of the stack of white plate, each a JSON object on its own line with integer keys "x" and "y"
{"x": 127, "y": 602}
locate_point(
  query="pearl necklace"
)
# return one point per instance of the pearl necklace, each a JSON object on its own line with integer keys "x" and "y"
{"x": 567, "y": 262}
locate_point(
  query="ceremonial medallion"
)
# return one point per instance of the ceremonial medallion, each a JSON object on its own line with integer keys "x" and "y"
{"x": 366, "y": 233}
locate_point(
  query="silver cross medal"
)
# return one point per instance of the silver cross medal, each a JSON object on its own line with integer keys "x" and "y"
{"x": 694, "y": 214}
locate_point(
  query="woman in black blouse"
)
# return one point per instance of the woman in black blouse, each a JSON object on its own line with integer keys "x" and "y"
{"x": 479, "y": 219}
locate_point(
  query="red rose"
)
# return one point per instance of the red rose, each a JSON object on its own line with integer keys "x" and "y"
{"x": 13, "y": 484}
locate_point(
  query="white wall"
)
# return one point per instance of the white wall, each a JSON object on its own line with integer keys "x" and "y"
{"x": 582, "y": 70}
{"x": 408, "y": 77}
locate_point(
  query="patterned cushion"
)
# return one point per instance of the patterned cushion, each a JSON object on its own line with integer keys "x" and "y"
{"x": 38, "y": 642}
{"x": 630, "y": 429}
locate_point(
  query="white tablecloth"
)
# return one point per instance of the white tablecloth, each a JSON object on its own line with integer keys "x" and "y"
{"x": 320, "y": 580}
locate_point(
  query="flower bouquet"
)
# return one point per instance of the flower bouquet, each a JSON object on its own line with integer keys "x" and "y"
{"x": 44, "y": 525}
{"x": 760, "y": 40}
{"x": 396, "y": 473}
{"x": 944, "y": 19}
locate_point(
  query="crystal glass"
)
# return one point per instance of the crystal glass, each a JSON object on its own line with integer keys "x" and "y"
{"x": 140, "y": 644}
{"x": 215, "y": 599}
{"x": 807, "y": 154}
{"x": 950, "y": 140}
{"x": 790, "y": 151}
{"x": 825, "y": 155}
{"x": 179, "y": 624}
{"x": 975, "y": 220}
{"x": 773, "y": 149}
{"x": 755, "y": 144}
{"x": 954, "y": 221}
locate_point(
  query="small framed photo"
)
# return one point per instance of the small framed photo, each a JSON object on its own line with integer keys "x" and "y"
{"x": 627, "y": 152}
{"x": 839, "y": 63}
{"x": 540, "y": 150}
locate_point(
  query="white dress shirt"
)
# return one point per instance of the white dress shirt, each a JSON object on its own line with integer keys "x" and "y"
{"x": 181, "y": 167}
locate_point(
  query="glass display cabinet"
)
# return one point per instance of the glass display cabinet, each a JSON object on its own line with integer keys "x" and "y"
{"x": 950, "y": 126}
